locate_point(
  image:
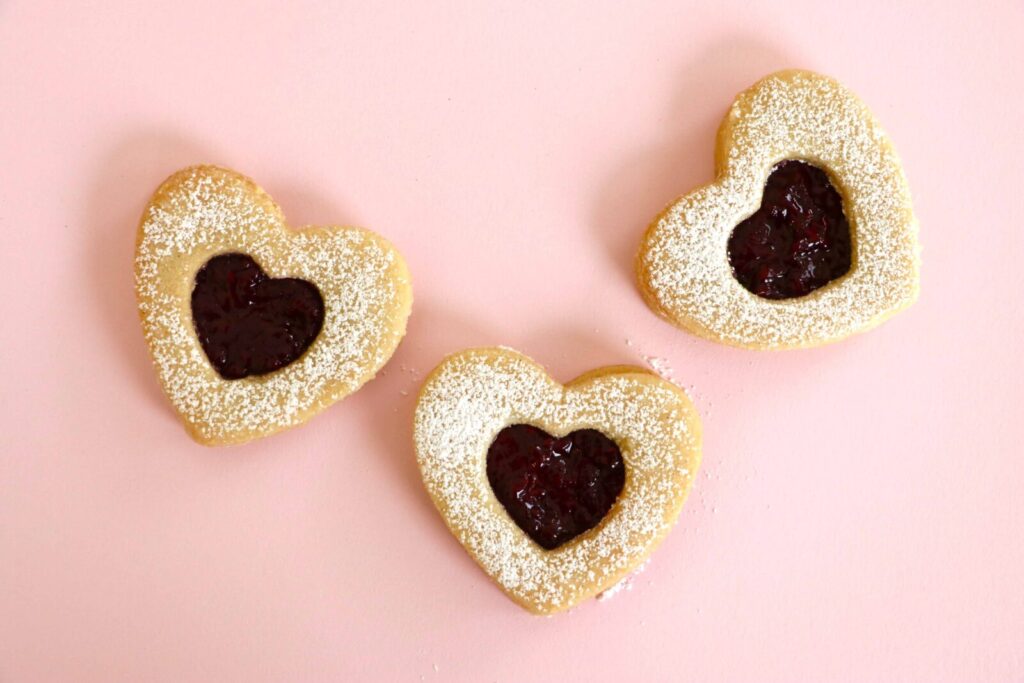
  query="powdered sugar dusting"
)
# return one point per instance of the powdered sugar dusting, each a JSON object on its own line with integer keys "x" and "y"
{"x": 472, "y": 395}
{"x": 204, "y": 211}
{"x": 683, "y": 266}
{"x": 625, "y": 584}
{"x": 662, "y": 366}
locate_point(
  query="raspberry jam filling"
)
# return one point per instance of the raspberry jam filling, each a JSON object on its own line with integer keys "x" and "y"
{"x": 248, "y": 323}
{"x": 555, "y": 488}
{"x": 798, "y": 241}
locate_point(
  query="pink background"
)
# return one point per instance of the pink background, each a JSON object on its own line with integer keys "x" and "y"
{"x": 859, "y": 515}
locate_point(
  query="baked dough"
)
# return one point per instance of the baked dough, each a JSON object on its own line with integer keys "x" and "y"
{"x": 683, "y": 268}
{"x": 204, "y": 211}
{"x": 474, "y": 394}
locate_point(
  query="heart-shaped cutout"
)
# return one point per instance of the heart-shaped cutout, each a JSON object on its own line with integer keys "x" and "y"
{"x": 205, "y": 219}
{"x": 798, "y": 240}
{"x": 555, "y": 488}
{"x": 473, "y": 396}
{"x": 248, "y": 323}
{"x": 697, "y": 265}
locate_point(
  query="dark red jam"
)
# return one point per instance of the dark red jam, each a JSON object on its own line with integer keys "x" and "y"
{"x": 555, "y": 489}
{"x": 249, "y": 324}
{"x": 798, "y": 241}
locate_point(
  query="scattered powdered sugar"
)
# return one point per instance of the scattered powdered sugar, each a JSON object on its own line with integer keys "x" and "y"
{"x": 608, "y": 594}
{"x": 662, "y": 366}
{"x": 204, "y": 211}
{"x": 683, "y": 266}
{"x": 472, "y": 395}
{"x": 412, "y": 372}
{"x": 625, "y": 584}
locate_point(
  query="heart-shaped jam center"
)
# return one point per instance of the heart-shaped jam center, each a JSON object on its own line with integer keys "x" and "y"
{"x": 248, "y": 323}
{"x": 798, "y": 241}
{"x": 555, "y": 488}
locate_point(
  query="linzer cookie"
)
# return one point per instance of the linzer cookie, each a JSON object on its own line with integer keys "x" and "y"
{"x": 255, "y": 327}
{"x": 807, "y": 234}
{"x": 558, "y": 492}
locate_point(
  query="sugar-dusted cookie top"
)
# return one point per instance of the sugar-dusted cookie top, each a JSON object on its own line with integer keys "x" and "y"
{"x": 255, "y": 327}
{"x": 558, "y": 492}
{"x": 791, "y": 272}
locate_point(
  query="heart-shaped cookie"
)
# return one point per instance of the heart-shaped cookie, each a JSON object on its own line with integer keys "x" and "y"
{"x": 254, "y": 327}
{"x": 795, "y": 270}
{"x": 476, "y": 469}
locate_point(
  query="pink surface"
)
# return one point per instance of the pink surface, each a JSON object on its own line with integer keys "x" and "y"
{"x": 859, "y": 514}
